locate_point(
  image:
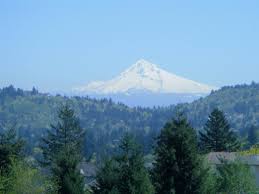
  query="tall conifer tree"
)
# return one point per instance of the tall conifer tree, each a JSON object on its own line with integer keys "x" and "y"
{"x": 177, "y": 167}
{"x": 62, "y": 152}
{"x": 217, "y": 135}
{"x": 11, "y": 147}
{"x": 125, "y": 173}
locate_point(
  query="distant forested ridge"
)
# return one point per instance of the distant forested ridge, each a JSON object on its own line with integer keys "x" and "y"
{"x": 105, "y": 121}
{"x": 240, "y": 104}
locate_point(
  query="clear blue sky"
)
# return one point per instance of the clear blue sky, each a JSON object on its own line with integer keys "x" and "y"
{"x": 55, "y": 45}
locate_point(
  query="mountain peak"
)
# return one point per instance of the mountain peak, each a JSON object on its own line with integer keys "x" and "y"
{"x": 143, "y": 64}
{"x": 142, "y": 68}
{"x": 145, "y": 76}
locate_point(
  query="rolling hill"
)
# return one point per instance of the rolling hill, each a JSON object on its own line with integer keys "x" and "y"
{"x": 105, "y": 121}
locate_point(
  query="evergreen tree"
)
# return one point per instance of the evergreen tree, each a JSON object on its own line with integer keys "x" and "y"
{"x": 133, "y": 175}
{"x": 34, "y": 91}
{"x": 107, "y": 179}
{"x": 177, "y": 166}
{"x": 217, "y": 135}
{"x": 11, "y": 147}
{"x": 252, "y": 135}
{"x": 125, "y": 173}
{"x": 62, "y": 152}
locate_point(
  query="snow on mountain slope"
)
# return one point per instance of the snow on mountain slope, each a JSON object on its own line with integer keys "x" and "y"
{"x": 145, "y": 76}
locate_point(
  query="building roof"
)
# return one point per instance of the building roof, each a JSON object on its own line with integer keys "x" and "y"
{"x": 216, "y": 157}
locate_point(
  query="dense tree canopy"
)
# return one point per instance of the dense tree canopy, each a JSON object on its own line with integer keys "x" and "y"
{"x": 125, "y": 173}
{"x": 240, "y": 104}
{"x": 17, "y": 173}
{"x": 107, "y": 121}
{"x": 11, "y": 147}
{"x": 62, "y": 152}
{"x": 253, "y": 135}
{"x": 217, "y": 135}
{"x": 177, "y": 166}
{"x": 235, "y": 177}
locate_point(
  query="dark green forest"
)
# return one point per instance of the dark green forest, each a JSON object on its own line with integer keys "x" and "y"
{"x": 240, "y": 104}
{"x": 31, "y": 113}
{"x": 105, "y": 121}
{"x": 44, "y": 139}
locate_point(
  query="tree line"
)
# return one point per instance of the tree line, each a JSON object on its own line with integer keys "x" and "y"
{"x": 179, "y": 164}
{"x": 107, "y": 121}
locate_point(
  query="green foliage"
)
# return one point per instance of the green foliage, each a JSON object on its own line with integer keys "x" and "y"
{"x": 107, "y": 178}
{"x": 217, "y": 135}
{"x": 106, "y": 121}
{"x": 124, "y": 173}
{"x": 254, "y": 150}
{"x": 235, "y": 177}
{"x": 66, "y": 135}
{"x": 177, "y": 166}
{"x": 253, "y": 136}
{"x": 25, "y": 179}
{"x": 240, "y": 103}
{"x": 209, "y": 182}
{"x": 62, "y": 152}
{"x": 232, "y": 177}
{"x": 10, "y": 147}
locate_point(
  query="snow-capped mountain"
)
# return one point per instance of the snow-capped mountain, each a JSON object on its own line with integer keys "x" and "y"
{"x": 144, "y": 76}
